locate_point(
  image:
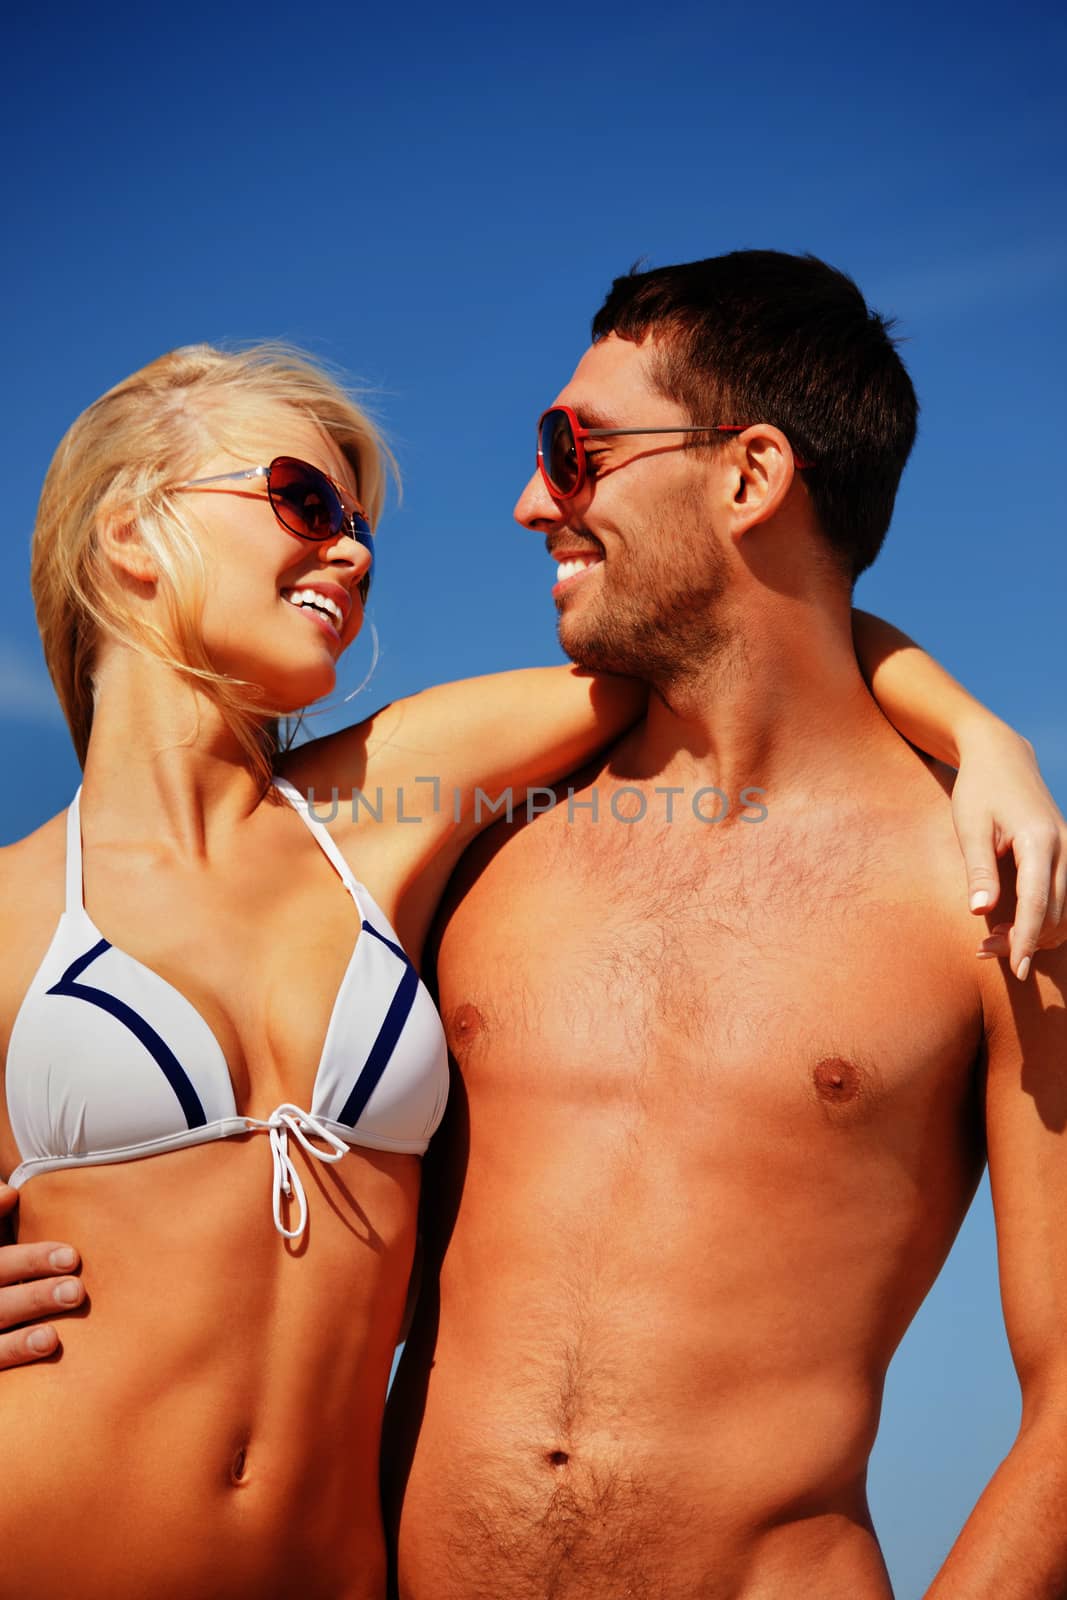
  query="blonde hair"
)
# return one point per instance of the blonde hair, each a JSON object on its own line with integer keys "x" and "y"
{"x": 123, "y": 457}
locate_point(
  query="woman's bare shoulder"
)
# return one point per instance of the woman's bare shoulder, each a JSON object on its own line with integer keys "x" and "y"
{"x": 32, "y": 895}
{"x": 32, "y": 876}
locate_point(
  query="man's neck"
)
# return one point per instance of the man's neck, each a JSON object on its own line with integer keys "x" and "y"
{"x": 784, "y": 706}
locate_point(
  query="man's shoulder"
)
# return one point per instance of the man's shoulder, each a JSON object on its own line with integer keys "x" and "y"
{"x": 886, "y": 834}
{"x": 944, "y": 776}
{"x": 915, "y": 790}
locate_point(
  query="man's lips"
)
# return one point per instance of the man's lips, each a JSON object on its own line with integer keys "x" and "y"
{"x": 573, "y": 567}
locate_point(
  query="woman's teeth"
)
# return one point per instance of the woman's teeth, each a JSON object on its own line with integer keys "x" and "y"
{"x": 571, "y": 568}
{"x": 302, "y": 598}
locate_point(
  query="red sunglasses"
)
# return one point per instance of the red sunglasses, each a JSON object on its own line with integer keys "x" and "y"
{"x": 561, "y": 447}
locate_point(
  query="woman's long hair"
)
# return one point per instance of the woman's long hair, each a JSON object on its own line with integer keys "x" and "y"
{"x": 123, "y": 458}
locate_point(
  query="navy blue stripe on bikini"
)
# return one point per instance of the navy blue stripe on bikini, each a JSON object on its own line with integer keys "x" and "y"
{"x": 388, "y": 1034}
{"x": 156, "y": 1046}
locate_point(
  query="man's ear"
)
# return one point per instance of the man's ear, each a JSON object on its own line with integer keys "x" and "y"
{"x": 762, "y": 472}
{"x": 121, "y": 542}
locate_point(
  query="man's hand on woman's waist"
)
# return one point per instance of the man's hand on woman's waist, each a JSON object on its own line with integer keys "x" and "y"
{"x": 35, "y": 1283}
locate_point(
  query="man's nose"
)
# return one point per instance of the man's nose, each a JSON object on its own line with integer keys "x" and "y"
{"x": 535, "y": 508}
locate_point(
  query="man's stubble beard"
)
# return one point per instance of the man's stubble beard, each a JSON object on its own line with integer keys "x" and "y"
{"x": 661, "y": 618}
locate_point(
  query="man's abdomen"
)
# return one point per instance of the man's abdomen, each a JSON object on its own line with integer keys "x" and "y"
{"x": 699, "y": 1181}
{"x": 657, "y": 1370}
{"x": 754, "y": 1491}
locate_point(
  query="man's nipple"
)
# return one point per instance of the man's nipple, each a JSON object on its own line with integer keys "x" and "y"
{"x": 837, "y": 1081}
{"x": 464, "y": 1026}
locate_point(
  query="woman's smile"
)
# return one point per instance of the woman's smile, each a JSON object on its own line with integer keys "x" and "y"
{"x": 326, "y": 604}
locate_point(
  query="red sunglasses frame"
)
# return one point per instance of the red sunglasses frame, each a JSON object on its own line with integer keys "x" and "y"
{"x": 580, "y": 433}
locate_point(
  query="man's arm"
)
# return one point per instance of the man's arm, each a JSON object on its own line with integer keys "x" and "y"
{"x": 22, "y": 1337}
{"x": 1014, "y": 1544}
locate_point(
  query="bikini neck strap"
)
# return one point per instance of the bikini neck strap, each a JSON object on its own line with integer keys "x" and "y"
{"x": 326, "y": 844}
{"x": 75, "y": 890}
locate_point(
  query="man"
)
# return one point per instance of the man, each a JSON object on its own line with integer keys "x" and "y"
{"x": 729, "y": 1070}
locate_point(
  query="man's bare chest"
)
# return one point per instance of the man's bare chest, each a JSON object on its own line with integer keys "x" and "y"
{"x": 828, "y": 983}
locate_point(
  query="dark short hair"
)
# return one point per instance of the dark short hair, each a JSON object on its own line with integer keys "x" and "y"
{"x": 760, "y": 336}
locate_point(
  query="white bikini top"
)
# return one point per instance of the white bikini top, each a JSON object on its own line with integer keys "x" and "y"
{"x": 107, "y": 1062}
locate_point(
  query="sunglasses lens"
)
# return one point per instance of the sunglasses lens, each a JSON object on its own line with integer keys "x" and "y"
{"x": 306, "y": 503}
{"x": 304, "y": 500}
{"x": 559, "y": 453}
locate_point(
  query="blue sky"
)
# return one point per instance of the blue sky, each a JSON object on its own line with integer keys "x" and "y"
{"x": 437, "y": 200}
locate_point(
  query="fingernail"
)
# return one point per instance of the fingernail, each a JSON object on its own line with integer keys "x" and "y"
{"x": 41, "y": 1340}
{"x": 63, "y": 1258}
{"x": 1024, "y": 969}
{"x": 979, "y": 899}
{"x": 986, "y": 955}
{"x": 67, "y": 1293}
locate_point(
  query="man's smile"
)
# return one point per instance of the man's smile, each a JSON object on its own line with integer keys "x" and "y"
{"x": 573, "y": 562}
{"x": 573, "y": 568}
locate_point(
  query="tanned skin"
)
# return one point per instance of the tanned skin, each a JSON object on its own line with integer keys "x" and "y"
{"x": 723, "y": 1096}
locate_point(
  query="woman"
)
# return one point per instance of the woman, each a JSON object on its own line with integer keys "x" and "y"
{"x": 220, "y": 1067}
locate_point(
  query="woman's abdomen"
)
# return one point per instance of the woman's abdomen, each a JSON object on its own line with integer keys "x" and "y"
{"x": 211, "y": 1426}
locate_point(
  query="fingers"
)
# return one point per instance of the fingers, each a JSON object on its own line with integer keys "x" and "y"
{"x": 29, "y": 1302}
{"x": 1055, "y": 930}
{"x": 26, "y": 1303}
{"x": 1039, "y": 911}
{"x": 44, "y": 1260}
{"x": 28, "y": 1344}
{"x": 35, "y": 1282}
{"x": 1033, "y": 879}
{"x": 983, "y": 874}
{"x": 1000, "y": 802}
{"x": 996, "y": 943}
